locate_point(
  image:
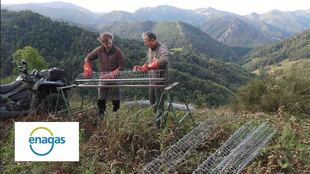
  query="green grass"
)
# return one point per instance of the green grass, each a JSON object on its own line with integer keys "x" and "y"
{"x": 287, "y": 66}
{"x": 300, "y": 67}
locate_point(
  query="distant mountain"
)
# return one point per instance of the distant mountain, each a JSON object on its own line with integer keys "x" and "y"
{"x": 295, "y": 48}
{"x": 210, "y": 12}
{"x": 236, "y": 30}
{"x": 57, "y": 10}
{"x": 111, "y": 17}
{"x": 175, "y": 35}
{"x": 168, "y": 13}
{"x": 228, "y": 28}
{"x": 131, "y": 30}
{"x": 292, "y": 22}
{"x": 66, "y": 46}
{"x": 72, "y": 13}
{"x": 160, "y": 13}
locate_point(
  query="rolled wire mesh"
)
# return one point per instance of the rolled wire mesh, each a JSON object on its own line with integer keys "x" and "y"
{"x": 176, "y": 153}
{"x": 122, "y": 78}
{"x": 242, "y": 154}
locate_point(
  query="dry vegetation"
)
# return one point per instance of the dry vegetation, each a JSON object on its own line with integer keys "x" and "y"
{"x": 125, "y": 141}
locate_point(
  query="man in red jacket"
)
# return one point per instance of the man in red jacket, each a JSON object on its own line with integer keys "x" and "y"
{"x": 111, "y": 61}
{"x": 157, "y": 59}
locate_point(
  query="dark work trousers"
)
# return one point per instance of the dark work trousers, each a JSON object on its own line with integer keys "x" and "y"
{"x": 102, "y": 105}
{"x": 154, "y": 97}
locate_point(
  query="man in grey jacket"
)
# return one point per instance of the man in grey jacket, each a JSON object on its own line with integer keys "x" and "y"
{"x": 157, "y": 59}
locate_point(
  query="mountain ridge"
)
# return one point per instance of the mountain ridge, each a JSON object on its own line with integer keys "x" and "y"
{"x": 274, "y": 31}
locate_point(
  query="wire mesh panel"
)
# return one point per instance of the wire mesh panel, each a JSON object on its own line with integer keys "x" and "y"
{"x": 153, "y": 78}
{"x": 225, "y": 149}
{"x": 176, "y": 153}
{"x": 154, "y": 167}
{"x": 246, "y": 151}
{"x": 251, "y": 141}
{"x": 247, "y": 158}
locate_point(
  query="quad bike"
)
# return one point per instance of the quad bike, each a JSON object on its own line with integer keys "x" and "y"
{"x": 32, "y": 93}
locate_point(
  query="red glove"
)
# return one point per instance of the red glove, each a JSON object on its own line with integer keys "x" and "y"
{"x": 87, "y": 70}
{"x": 145, "y": 68}
{"x": 154, "y": 65}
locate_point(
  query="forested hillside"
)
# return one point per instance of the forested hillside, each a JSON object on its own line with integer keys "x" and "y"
{"x": 66, "y": 46}
{"x": 295, "y": 48}
{"x": 60, "y": 44}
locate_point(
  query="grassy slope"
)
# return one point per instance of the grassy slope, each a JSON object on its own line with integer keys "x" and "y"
{"x": 301, "y": 67}
{"x": 127, "y": 140}
{"x": 294, "y": 48}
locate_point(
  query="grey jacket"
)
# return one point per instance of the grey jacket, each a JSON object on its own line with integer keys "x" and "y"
{"x": 160, "y": 53}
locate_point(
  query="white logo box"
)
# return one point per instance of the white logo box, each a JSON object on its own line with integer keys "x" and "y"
{"x": 46, "y": 141}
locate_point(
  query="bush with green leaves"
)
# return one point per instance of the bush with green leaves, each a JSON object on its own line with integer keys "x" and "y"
{"x": 289, "y": 93}
{"x": 31, "y": 56}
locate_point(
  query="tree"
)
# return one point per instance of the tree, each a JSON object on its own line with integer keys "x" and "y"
{"x": 31, "y": 56}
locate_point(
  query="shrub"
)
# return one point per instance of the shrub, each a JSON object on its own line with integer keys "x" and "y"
{"x": 288, "y": 93}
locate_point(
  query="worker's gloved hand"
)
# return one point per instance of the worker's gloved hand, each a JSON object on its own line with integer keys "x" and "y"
{"x": 145, "y": 68}
{"x": 87, "y": 70}
{"x": 105, "y": 75}
{"x": 154, "y": 65}
{"x": 110, "y": 75}
{"x": 115, "y": 73}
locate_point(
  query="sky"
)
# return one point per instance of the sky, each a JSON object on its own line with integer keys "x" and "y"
{"x": 241, "y": 7}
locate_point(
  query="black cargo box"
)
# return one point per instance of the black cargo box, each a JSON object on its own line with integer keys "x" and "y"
{"x": 55, "y": 74}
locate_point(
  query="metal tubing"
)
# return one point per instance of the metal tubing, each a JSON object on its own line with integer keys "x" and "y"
{"x": 120, "y": 80}
{"x": 117, "y": 86}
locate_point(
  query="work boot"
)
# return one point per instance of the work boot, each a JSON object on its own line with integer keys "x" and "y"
{"x": 116, "y": 105}
{"x": 101, "y": 107}
{"x": 102, "y": 113}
